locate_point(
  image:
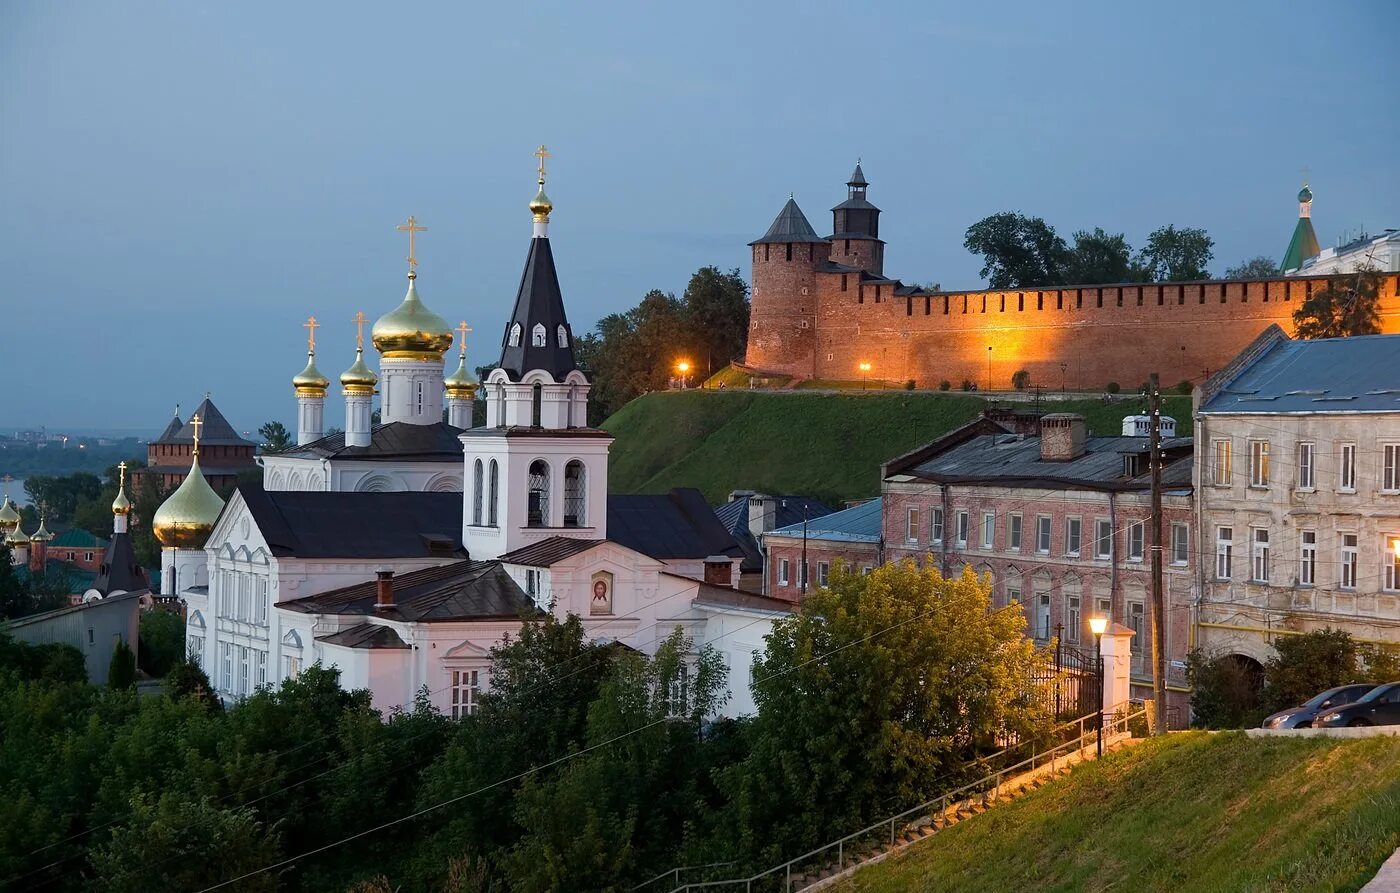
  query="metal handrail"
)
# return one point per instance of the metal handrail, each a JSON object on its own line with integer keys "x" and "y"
{"x": 944, "y": 802}
{"x": 675, "y": 873}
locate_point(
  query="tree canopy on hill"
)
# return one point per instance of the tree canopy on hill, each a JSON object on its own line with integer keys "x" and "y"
{"x": 1349, "y": 305}
{"x": 1025, "y": 252}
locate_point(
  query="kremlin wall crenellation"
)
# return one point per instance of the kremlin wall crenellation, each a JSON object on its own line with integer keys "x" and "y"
{"x": 822, "y": 306}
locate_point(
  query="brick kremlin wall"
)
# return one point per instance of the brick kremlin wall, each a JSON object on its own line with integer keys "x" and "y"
{"x": 1080, "y": 336}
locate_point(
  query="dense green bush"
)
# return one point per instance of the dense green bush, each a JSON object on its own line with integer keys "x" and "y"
{"x": 1112, "y": 388}
{"x": 121, "y": 671}
{"x": 161, "y": 643}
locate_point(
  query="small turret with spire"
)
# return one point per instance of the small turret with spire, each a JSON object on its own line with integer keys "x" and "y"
{"x": 1304, "y": 245}
{"x": 310, "y": 386}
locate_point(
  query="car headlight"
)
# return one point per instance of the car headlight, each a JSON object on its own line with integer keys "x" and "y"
{"x": 1280, "y": 720}
{"x": 1332, "y": 717}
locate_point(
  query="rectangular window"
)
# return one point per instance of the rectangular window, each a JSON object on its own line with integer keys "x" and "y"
{"x": 1259, "y": 567}
{"x": 1390, "y": 558}
{"x": 466, "y": 692}
{"x": 1013, "y": 532}
{"x": 962, "y": 529}
{"x": 242, "y": 670}
{"x": 865, "y": 571}
{"x": 1346, "y": 467}
{"x": 260, "y": 674}
{"x": 1137, "y": 622}
{"x": 1013, "y": 594}
{"x": 1181, "y": 544}
{"x": 935, "y": 525}
{"x": 1042, "y": 534}
{"x": 1307, "y": 558}
{"x": 262, "y": 601}
{"x": 1349, "y": 560}
{"x": 1073, "y": 535}
{"x": 291, "y": 667}
{"x": 1223, "y": 460}
{"x": 1103, "y": 539}
{"x": 1042, "y": 616}
{"x": 1307, "y": 466}
{"x": 823, "y": 572}
{"x": 532, "y": 582}
{"x": 1105, "y": 608}
{"x": 784, "y": 567}
{"x": 227, "y": 674}
{"x": 1072, "y": 618}
{"x": 1136, "y": 540}
{"x": 911, "y": 527}
{"x": 1224, "y": 552}
{"x": 989, "y": 529}
{"x": 1259, "y": 463}
{"x": 1390, "y": 468}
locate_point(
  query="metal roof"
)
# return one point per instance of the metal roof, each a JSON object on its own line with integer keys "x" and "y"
{"x": 734, "y": 515}
{"x": 1012, "y": 459}
{"x": 1327, "y": 375}
{"x": 538, "y": 302}
{"x": 462, "y": 590}
{"x": 678, "y": 524}
{"x": 394, "y": 441}
{"x": 214, "y": 429}
{"x": 858, "y": 524}
{"x": 548, "y": 551}
{"x": 789, "y": 226}
{"x": 366, "y": 635}
{"x": 320, "y": 524}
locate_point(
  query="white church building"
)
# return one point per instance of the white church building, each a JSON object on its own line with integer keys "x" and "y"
{"x": 402, "y": 552}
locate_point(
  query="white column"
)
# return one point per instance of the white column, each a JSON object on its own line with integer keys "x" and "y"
{"x": 310, "y": 417}
{"x": 119, "y": 523}
{"x": 459, "y": 411}
{"x": 357, "y": 416}
{"x": 1117, "y": 667}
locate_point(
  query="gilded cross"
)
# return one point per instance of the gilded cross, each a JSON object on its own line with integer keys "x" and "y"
{"x": 121, "y": 470}
{"x": 196, "y": 423}
{"x": 463, "y": 328}
{"x": 359, "y": 322}
{"x": 311, "y": 325}
{"x": 411, "y": 227}
{"x": 542, "y": 153}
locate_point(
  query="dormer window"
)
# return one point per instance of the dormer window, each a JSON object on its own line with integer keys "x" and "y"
{"x": 538, "y": 336}
{"x": 563, "y": 337}
{"x": 514, "y": 335}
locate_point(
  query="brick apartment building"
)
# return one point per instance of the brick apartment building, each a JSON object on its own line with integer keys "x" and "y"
{"x": 800, "y": 556}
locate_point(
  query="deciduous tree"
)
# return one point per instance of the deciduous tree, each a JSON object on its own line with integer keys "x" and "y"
{"x": 1349, "y": 305}
{"x": 1098, "y": 257}
{"x": 1176, "y": 255}
{"x": 1260, "y": 267}
{"x": 275, "y": 437}
{"x": 1017, "y": 251}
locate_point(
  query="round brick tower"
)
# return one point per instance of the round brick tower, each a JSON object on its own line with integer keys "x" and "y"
{"x": 782, "y": 316}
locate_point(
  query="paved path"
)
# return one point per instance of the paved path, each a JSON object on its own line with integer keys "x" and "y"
{"x": 1387, "y": 880}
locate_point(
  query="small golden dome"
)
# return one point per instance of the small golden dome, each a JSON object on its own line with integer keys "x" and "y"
{"x": 9, "y": 515}
{"x": 461, "y": 383}
{"x": 411, "y": 329}
{"x": 41, "y": 535}
{"x": 186, "y": 518}
{"x": 121, "y": 505}
{"x": 540, "y": 205}
{"x": 310, "y": 380}
{"x": 17, "y": 537}
{"x": 359, "y": 376}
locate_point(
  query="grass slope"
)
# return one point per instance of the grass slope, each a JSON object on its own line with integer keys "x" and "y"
{"x": 1191, "y": 812}
{"x": 824, "y": 445}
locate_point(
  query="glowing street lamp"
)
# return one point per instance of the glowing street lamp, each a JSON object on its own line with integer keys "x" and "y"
{"x": 865, "y": 378}
{"x": 683, "y": 368}
{"x": 1098, "y": 626}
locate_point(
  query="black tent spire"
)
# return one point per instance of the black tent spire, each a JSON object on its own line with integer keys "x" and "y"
{"x": 538, "y": 334}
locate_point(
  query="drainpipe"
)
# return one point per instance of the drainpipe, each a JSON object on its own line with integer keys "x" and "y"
{"x": 1113, "y": 551}
{"x": 1200, "y": 454}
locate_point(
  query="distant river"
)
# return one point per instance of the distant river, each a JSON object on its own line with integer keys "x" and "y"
{"x": 17, "y": 494}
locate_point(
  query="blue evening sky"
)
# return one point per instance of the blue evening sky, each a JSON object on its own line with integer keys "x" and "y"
{"x": 181, "y": 184}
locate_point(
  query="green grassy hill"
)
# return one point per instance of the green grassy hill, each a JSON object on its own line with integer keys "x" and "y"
{"x": 825, "y": 445}
{"x": 1189, "y": 812}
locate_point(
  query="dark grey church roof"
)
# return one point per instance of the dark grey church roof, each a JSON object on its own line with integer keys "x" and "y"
{"x": 789, "y": 226}
{"x": 214, "y": 429}
{"x": 678, "y": 524}
{"x": 734, "y": 515}
{"x": 538, "y": 302}
{"x": 461, "y": 590}
{"x": 172, "y": 429}
{"x": 314, "y": 524}
{"x": 548, "y": 551}
{"x": 858, "y": 177}
{"x": 119, "y": 568}
{"x": 395, "y": 441}
{"x": 1331, "y": 375}
{"x": 366, "y": 635}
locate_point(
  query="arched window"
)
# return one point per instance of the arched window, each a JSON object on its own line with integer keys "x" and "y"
{"x": 575, "y": 495}
{"x": 515, "y": 335}
{"x": 537, "y": 495}
{"x": 492, "y": 494}
{"x": 477, "y": 481}
{"x": 536, "y": 404}
{"x": 563, "y": 336}
{"x": 538, "y": 336}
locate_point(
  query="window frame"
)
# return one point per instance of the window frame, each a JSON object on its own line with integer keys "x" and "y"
{"x": 1259, "y": 555}
{"x": 911, "y": 524}
{"x": 1074, "y": 618}
{"x": 1259, "y": 464}
{"x": 1137, "y": 540}
{"x": 1346, "y": 467}
{"x": 1390, "y": 579}
{"x": 1390, "y": 468}
{"x": 964, "y": 522}
{"x": 1044, "y": 533}
{"x": 1350, "y": 563}
{"x": 935, "y": 525}
{"x": 1181, "y": 544}
{"x": 989, "y": 531}
{"x": 784, "y": 571}
{"x": 1307, "y": 466}
{"x": 1013, "y": 532}
{"x": 1075, "y": 539}
{"x": 1222, "y": 453}
{"x": 1103, "y": 534}
{"x": 1307, "y": 557}
{"x": 1224, "y": 552}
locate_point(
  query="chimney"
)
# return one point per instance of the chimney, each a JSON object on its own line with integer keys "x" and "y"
{"x": 1061, "y": 437}
{"x": 383, "y": 590}
{"x": 763, "y": 514}
{"x": 719, "y": 570}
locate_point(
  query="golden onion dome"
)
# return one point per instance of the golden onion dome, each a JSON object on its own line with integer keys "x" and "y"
{"x": 121, "y": 505}
{"x": 9, "y": 515}
{"x": 186, "y": 518}
{"x": 310, "y": 380}
{"x": 461, "y": 383}
{"x": 411, "y": 330}
{"x": 540, "y": 205}
{"x": 359, "y": 376}
{"x": 41, "y": 535}
{"x": 17, "y": 537}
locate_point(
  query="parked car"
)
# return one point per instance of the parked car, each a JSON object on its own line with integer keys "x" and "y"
{"x": 1302, "y": 716}
{"x": 1378, "y": 707}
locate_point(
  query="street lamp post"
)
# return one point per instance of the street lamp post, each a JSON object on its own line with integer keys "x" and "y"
{"x": 1099, "y": 625}
{"x": 989, "y": 367}
{"x": 864, "y": 374}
